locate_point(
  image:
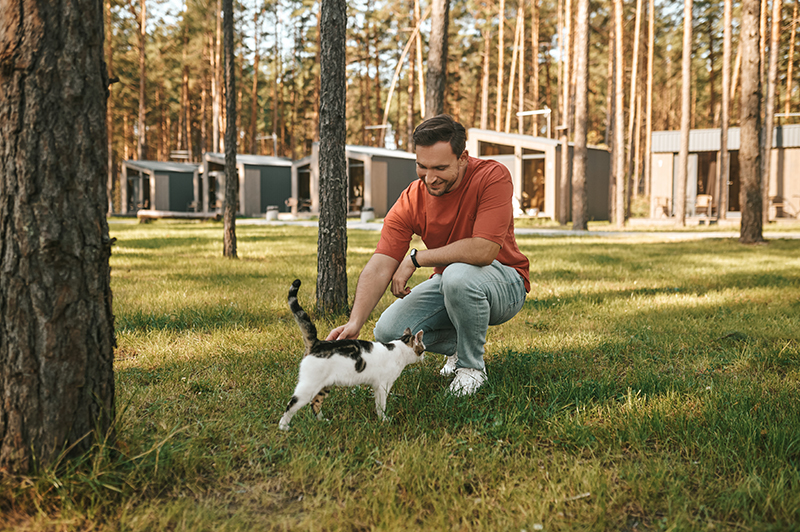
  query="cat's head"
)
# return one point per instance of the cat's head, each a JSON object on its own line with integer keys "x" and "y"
{"x": 414, "y": 341}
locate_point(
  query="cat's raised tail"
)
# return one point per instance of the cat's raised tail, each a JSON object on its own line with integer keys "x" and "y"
{"x": 303, "y": 321}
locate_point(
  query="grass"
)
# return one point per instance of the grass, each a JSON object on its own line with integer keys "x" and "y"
{"x": 645, "y": 385}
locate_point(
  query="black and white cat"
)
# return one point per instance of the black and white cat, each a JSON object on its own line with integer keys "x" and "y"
{"x": 346, "y": 363}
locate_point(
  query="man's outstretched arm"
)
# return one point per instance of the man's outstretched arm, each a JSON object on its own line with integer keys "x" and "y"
{"x": 372, "y": 284}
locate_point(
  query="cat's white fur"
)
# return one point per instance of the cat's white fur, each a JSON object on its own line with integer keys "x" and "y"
{"x": 383, "y": 366}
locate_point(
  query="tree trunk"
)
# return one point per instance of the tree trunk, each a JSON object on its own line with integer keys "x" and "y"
{"x": 485, "y": 79}
{"x": 790, "y": 65}
{"x": 254, "y": 91}
{"x": 501, "y": 46}
{"x": 725, "y": 164}
{"x": 315, "y": 118}
{"x": 632, "y": 111}
{"x": 521, "y": 81}
{"x": 56, "y": 321}
{"x": 437, "y": 59}
{"x": 410, "y": 119}
{"x": 651, "y": 40}
{"x": 750, "y": 123}
{"x": 514, "y": 55}
{"x": 686, "y": 102}
{"x": 231, "y": 173}
{"x": 535, "y": 66}
{"x": 420, "y": 73}
{"x": 109, "y": 115}
{"x": 183, "y": 127}
{"x": 332, "y": 240}
{"x": 619, "y": 118}
{"x": 563, "y": 185}
{"x": 216, "y": 85}
{"x": 772, "y": 90}
{"x": 579, "y": 207}
{"x": 141, "y": 141}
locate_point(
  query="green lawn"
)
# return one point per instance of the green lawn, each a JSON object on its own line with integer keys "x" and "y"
{"x": 645, "y": 385}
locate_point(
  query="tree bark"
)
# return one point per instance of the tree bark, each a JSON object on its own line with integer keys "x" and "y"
{"x": 790, "y": 66}
{"x": 632, "y": 182}
{"x": 254, "y": 91}
{"x": 565, "y": 126}
{"x": 501, "y": 46}
{"x": 579, "y": 207}
{"x": 231, "y": 173}
{"x": 109, "y": 115}
{"x": 686, "y": 114}
{"x": 437, "y": 59}
{"x": 332, "y": 240}
{"x": 772, "y": 90}
{"x": 725, "y": 164}
{"x": 485, "y": 79}
{"x": 420, "y": 73}
{"x": 141, "y": 140}
{"x": 649, "y": 98}
{"x": 750, "y": 123}
{"x": 56, "y": 321}
{"x": 619, "y": 118}
{"x": 216, "y": 84}
{"x": 514, "y": 55}
{"x": 535, "y": 66}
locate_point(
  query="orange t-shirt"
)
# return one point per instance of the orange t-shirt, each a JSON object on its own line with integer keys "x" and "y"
{"x": 479, "y": 207}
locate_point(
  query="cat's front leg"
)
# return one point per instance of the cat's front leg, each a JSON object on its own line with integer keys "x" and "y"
{"x": 381, "y": 393}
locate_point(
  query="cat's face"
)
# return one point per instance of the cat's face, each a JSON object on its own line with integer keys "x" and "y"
{"x": 414, "y": 342}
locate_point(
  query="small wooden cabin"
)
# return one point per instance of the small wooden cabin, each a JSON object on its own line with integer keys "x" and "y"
{"x": 160, "y": 185}
{"x": 264, "y": 181}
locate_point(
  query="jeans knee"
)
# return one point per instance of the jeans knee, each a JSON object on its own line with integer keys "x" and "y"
{"x": 459, "y": 279}
{"x": 385, "y": 332}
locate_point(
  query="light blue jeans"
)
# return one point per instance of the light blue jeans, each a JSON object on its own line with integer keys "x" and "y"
{"x": 455, "y": 309}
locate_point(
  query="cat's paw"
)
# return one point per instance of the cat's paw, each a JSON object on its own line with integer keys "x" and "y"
{"x": 283, "y": 424}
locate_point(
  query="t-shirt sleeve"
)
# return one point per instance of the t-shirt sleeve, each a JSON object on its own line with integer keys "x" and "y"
{"x": 397, "y": 229}
{"x": 495, "y": 211}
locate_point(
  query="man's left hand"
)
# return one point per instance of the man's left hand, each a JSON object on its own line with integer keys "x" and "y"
{"x": 401, "y": 276}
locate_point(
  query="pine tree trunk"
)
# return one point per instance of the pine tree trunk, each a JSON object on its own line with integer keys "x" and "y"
{"x": 579, "y": 207}
{"x": 231, "y": 173}
{"x": 632, "y": 111}
{"x": 750, "y": 123}
{"x": 485, "y": 79}
{"x": 109, "y": 114}
{"x": 332, "y": 241}
{"x": 772, "y": 90}
{"x": 141, "y": 141}
{"x": 535, "y": 66}
{"x": 648, "y": 156}
{"x": 420, "y": 67}
{"x": 790, "y": 64}
{"x": 437, "y": 58}
{"x": 686, "y": 94}
{"x": 619, "y": 118}
{"x": 725, "y": 164}
{"x": 501, "y": 46}
{"x": 514, "y": 55}
{"x": 254, "y": 91}
{"x": 56, "y": 321}
{"x": 216, "y": 86}
{"x": 521, "y": 81}
{"x": 563, "y": 183}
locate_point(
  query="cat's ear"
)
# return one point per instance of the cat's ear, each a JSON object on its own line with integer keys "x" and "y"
{"x": 407, "y": 332}
{"x": 418, "y": 338}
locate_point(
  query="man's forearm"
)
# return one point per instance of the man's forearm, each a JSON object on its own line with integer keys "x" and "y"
{"x": 476, "y": 251}
{"x": 372, "y": 283}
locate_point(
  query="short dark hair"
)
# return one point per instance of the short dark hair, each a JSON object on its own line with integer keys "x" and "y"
{"x": 441, "y": 128}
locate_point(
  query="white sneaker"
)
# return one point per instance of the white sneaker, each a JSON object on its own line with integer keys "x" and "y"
{"x": 449, "y": 365}
{"x": 467, "y": 381}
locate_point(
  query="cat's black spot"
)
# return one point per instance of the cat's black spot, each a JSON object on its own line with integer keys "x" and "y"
{"x": 389, "y": 346}
{"x": 360, "y": 365}
{"x": 346, "y": 348}
{"x": 292, "y": 402}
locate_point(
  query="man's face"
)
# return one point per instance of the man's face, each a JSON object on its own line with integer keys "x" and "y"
{"x": 440, "y": 169}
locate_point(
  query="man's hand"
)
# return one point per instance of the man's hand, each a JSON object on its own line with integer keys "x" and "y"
{"x": 344, "y": 332}
{"x": 400, "y": 278}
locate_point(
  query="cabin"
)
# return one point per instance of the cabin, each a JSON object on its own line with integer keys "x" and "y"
{"x": 535, "y": 165}
{"x": 376, "y": 178}
{"x": 264, "y": 182}
{"x": 702, "y": 186}
{"x": 158, "y": 185}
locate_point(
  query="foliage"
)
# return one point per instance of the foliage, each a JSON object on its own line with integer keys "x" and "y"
{"x": 646, "y": 384}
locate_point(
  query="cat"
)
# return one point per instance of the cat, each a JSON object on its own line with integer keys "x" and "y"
{"x": 346, "y": 363}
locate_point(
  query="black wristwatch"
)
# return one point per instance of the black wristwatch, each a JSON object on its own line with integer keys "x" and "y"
{"x": 413, "y": 256}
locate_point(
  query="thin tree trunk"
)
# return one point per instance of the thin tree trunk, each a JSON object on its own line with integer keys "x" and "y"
{"x": 686, "y": 95}
{"x": 277, "y": 76}
{"x": 109, "y": 115}
{"x": 412, "y": 82}
{"x": 216, "y": 86}
{"x": 521, "y": 96}
{"x": 724, "y": 172}
{"x": 511, "y": 78}
{"x": 579, "y": 206}
{"x": 790, "y": 64}
{"x": 501, "y": 46}
{"x": 649, "y": 98}
{"x": 485, "y": 79}
{"x": 141, "y": 141}
{"x": 737, "y": 68}
{"x": 750, "y": 120}
{"x": 56, "y": 320}
{"x": 315, "y": 118}
{"x": 619, "y": 117}
{"x": 632, "y": 111}
{"x": 564, "y": 178}
{"x": 183, "y": 125}
{"x": 772, "y": 91}
{"x": 332, "y": 242}
{"x": 231, "y": 173}
{"x": 420, "y": 73}
{"x": 610, "y": 92}
{"x": 612, "y": 116}
{"x": 254, "y": 91}
{"x": 437, "y": 59}
{"x": 535, "y": 66}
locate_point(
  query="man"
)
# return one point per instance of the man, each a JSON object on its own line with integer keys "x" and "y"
{"x": 461, "y": 209}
